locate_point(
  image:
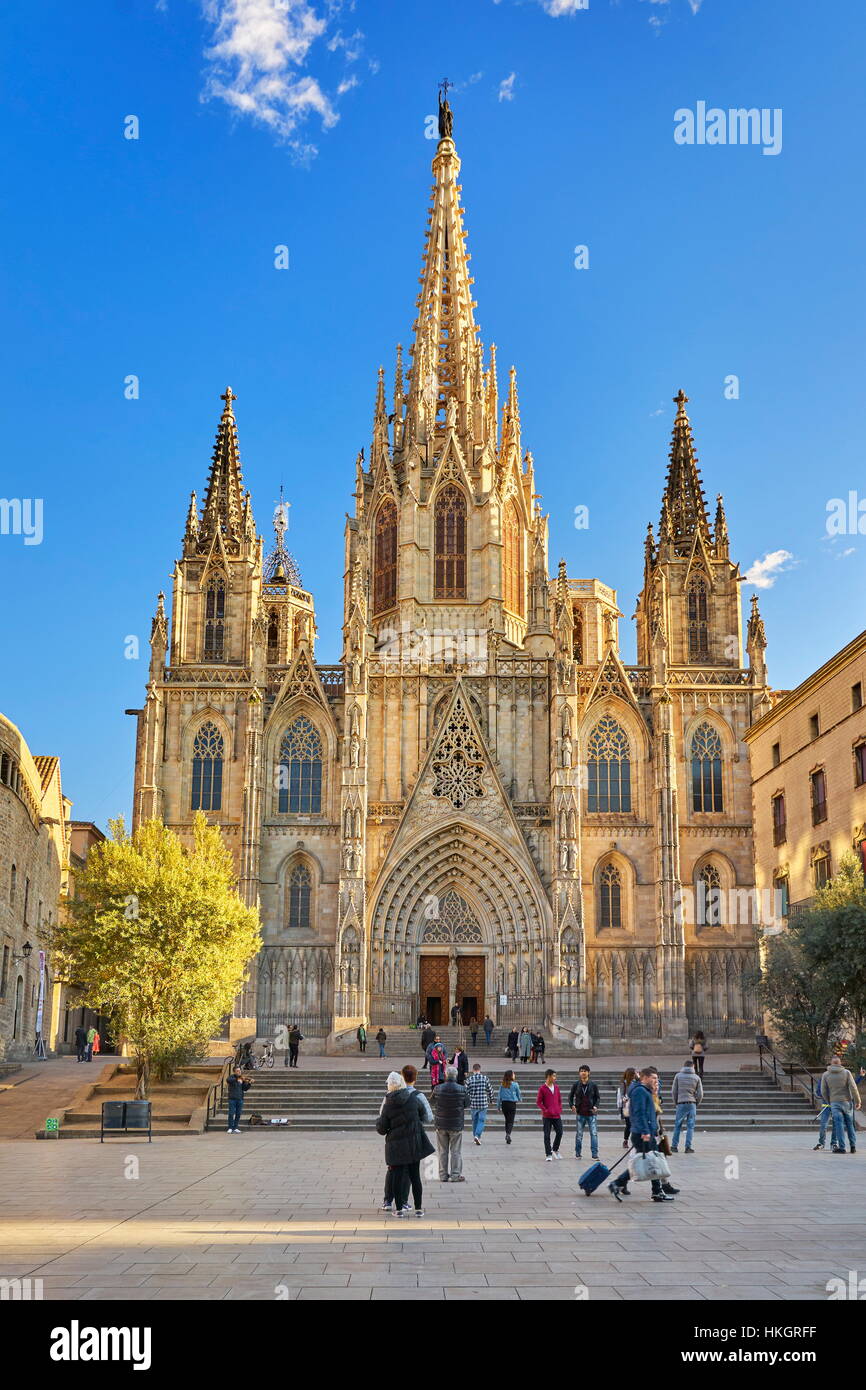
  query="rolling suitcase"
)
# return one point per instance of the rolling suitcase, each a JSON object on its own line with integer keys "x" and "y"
{"x": 595, "y": 1176}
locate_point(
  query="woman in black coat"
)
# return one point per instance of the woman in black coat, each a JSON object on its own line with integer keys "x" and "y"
{"x": 406, "y": 1143}
{"x": 461, "y": 1062}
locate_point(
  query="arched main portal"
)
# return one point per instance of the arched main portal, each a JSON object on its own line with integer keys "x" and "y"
{"x": 458, "y": 919}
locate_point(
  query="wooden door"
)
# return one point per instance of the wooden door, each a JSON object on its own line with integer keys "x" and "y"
{"x": 470, "y": 987}
{"x": 433, "y": 988}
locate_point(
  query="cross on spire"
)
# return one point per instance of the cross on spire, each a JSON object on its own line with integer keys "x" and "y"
{"x": 228, "y": 396}
{"x": 681, "y": 400}
{"x": 444, "y": 85}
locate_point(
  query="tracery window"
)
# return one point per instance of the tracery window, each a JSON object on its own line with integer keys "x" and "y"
{"x": 459, "y": 761}
{"x": 298, "y": 892}
{"x": 706, "y": 769}
{"x": 610, "y": 897}
{"x": 709, "y": 896}
{"x": 513, "y": 560}
{"x": 608, "y": 768}
{"x": 300, "y": 774}
{"x": 385, "y": 557}
{"x": 449, "y": 576}
{"x": 207, "y": 769}
{"x": 214, "y": 618}
{"x": 698, "y": 639}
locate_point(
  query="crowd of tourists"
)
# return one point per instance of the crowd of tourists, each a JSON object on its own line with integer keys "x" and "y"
{"x": 458, "y": 1088}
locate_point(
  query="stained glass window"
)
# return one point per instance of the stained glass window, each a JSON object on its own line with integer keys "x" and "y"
{"x": 610, "y": 896}
{"x": 300, "y": 777}
{"x": 207, "y": 769}
{"x": 298, "y": 888}
{"x": 706, "y": 769}
{"x": 449, "y": 580}
{"x": 608, "y": 768}
{"x": 214, "y": 619}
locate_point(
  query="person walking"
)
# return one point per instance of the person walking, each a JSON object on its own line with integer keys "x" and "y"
{"x": 488, "y": 1026}
{"x": 840, "y": 1092}
{"x": 449, "y": 1108}
{"x": 401, "y": 1121}
{"x": 825, "y": 1116}
{"x": 540, "y": 1045}
{"x": 428, "y": 1035}
{"x": 393, "y": 1083}
{"x": 513, "y": 1037}
{"x": 549, "y": 1102}
{"x": 461, "y": 1062}
{"x": 525, "y": 1043}
{"x": 584, "y": 1100}
{"x": 97, "y": 1042}
{"x": 296, "y": 1037}
{"x": 91, "y": 1034}
{"x": 381, "y": 1039}
{"x": 687, "y": 1092}
{"x": 237, "y": 1088}
{"x": 699, "y": 1049}
{"x": 81, "y": 1042}
{"x": 361, "y": 1035}
{"x": 473, "y": 1030}
{"x": 479, "y": 1094}
{"x": 509, "y": 1098}
{"x": 644, "y": 1129}
{"x": 436, "y": 1058}
{"x": 623, "y": 1104}
{"x": 455, "y": 1011}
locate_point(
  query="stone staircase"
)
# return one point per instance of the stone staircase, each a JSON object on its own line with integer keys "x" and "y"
{"x": 331, "y": 1101}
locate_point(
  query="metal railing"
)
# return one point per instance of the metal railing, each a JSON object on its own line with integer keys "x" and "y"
{"x": 721, "y": 1026}
{"x": 315, "y": 1024}
{"x": 624, "y": 1026}
{"x": 793, "y": 1071}
{"x": 216, "y": 1093}
{"x": 520, "y": 1009}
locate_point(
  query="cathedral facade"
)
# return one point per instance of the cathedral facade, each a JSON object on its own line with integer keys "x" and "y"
{"x": 481, "y": 803}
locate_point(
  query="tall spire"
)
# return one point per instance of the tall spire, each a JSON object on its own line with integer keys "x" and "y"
{"x": 684, "y": 508}
{"x": 224, "y": 498}
{"x": 444, "y": 351}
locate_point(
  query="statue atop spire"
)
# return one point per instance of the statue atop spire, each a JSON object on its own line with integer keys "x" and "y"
{"x": 446, "y": 115}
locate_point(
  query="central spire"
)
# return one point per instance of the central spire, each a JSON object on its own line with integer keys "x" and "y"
{"x": 446, "y": 354}
{"x": 684, "y": 508}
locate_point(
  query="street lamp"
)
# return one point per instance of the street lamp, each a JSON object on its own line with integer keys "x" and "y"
{"x": 26, "y": 953}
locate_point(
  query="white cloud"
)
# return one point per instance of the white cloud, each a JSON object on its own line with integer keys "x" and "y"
{"x": 556, "y": 8}
{"x": 764, "y": 573}
{"x": 256, "y": 62}
{"x": 506, "y": 87}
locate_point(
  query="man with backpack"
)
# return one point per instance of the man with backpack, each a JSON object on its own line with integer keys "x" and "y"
{"x": 584, "y": 1101}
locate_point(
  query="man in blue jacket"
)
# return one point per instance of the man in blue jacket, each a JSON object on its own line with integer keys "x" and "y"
{"x": 644, "y": 1128}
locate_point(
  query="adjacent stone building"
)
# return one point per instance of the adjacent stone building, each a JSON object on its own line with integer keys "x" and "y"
{"x": 33, "y": 865}
{"x": 481, "y": 802}
{"x": 808, "y": 756}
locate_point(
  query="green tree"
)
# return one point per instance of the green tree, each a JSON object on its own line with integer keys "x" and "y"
{"x": 806, "y": 1009}
{"x": 158, "y": 939}
{"x": 834, "y": 935}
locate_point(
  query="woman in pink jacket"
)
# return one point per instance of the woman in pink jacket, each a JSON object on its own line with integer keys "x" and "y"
{"x": 549, "y": 1102}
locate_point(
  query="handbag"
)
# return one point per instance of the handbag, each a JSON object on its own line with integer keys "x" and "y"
{"x": 664, "y": 1143}
{"x": 429, "y": 1169}
{"x": 647, "y": 1167}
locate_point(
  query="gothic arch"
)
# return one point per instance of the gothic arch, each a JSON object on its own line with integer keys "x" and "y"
{"x": 634, "y": 727}
{"x": 298, "y": 707}
{"x": 207, "y": 715}
{"x": 450, "y": 542}
{"x": 624, "y": 868}
{"x": 513, "y": 916}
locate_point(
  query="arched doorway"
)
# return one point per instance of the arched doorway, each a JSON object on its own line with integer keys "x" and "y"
{"x": 452, "y": 961}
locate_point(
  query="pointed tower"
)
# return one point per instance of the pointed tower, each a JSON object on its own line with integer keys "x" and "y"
{"x": 690, "y": 602}
{"x": 444, "y": 530}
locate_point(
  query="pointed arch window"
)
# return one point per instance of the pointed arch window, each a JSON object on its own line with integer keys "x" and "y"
{"x": 215, "y": 619}
{"x": 610, "y": 897}
{"x": 273, "y": 637}
{"x": 300, "y": 775}
{"x": 449, "y": 576}
{"x": 385, "y": 557}
{"x": 207, "y": 769}
{"x": 513, "y": 560}
{"x": 608, "y": 768}
{"x": 709, "y": 895}
{"x": 699, "y": 649}
{"x": 298, "y": 894}
{"x": 706, "y": 769}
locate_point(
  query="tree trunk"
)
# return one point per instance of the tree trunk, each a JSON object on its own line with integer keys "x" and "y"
{"x": 142, "y": 1084}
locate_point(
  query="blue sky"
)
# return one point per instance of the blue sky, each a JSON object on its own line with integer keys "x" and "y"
{"x": 155, "y": 257}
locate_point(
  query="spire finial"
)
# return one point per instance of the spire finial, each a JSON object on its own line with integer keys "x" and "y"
{"x": 446, "y": 117}
{"x": 228, "y": 396}
{"x": 680, "y": 401}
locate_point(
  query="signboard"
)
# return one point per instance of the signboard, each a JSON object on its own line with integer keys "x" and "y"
{"x": 41, "y": 1002}
{"x": 503, "y": 998}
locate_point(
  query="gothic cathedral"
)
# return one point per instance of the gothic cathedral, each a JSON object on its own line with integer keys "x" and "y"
{"x": 481, "y": 804}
